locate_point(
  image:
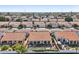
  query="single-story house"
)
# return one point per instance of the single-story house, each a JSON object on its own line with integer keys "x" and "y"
{"x": 3, "y": 29}
{"x": 42, "y": 29}
{"x": 35, "y": 19}
{"x": 53, "y": 24}
{"x": 39, "y": 24}
{"x": 56, "y": 29}
{"x": 39, "y": 39}
{"x": 8, "y": 18}
{"x": 14, "y": 24}
{"x": 67, "y": 37}
{"x": 51, "y": 16}
{"x": 24, "y": 30}
{"x": 13, "y": 38}
{"x": 3, "y": 24}
{"x": 27, "y": 24}
{"x": 44, "y": 19}
{"x": 72, "y": 23}
{"x": 24, "y": 18}
{"x": 76, "y": 18}
{"x": 52, "y": 19}
{"x": 66, "y": 24}
{"x": 1, "y": 35}
{"x": 61, "y": 20}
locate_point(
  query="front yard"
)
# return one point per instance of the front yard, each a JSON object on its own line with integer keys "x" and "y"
{"x": 43, "y": 49}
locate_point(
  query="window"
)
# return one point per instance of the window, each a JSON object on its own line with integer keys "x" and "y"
{"x": 45, "y": 42}
{"x": 38, "y": 42}
{"x": 10, "y": 42}
{"x": 30, "y": 42}
{"x": 70, "y": 42}
{"x": 58, "y": 39}
{"x": 41, "y": 42}
{"x": 19, "y": 41}
{"x": 77, "y": 42}
{"x": 4, "y": 42}
{"x": 63, "y": 40}
{"x": 34, "y": 42}
{"x": 14, "y": 42}
{"x": 48, "y": 42}
{"x": 74, "y": 42}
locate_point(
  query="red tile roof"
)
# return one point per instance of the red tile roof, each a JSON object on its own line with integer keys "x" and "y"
{"x": 72, "y": 36}
{"x": 16, "y": 36}
{"x": 39, "y": 36}
{"x": 77, "y": 16}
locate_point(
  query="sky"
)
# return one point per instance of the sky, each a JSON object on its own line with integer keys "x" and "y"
{"x": 39, "y": 8}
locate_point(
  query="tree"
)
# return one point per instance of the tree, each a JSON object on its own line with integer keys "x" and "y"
{"x": 19, "y": 48}
{"x": 53, "y": 35}
{"x": 68, "y": 19}
{"x": 20, "y": 26}
{"x": 18, "y": 20}
{"x": 2, "y": 18}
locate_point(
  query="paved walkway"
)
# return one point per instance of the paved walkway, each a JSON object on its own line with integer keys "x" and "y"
{"x": 56, "y": 44}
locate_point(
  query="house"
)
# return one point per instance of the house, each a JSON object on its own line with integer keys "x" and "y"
{"x": 61, "y": 20}
{"x": 24, "y": 30}
{"x": 3, "y": 29}
{"x": 72, "y": 23}
{"x": 56, "y": 29}
{"x": 1, "y": 35}
{"x": 39, "y": 24}
{"x": 52, "y": 24}
{"x": 8, "y": 18}
{"x": 42, "y": 29}
{"x": 4, "y": 24}
{"x": 14, "y": 24}
{"x": 27, "y": 24}
{"x": 52, "y": 20}
{"x": 44, "y": 19}
{"x": 39, "y": 39}
{"x": 11, "y": 38}
{"x": 35, "y": 19}
{"x": 67, "y": 37}
{"x": 51, "y": 16}
{"x": 14, "y": 17}
{"x": 66, "y": 24}
{"x": 24, "y": 18}
{"x": 59, "y": 17}
{"x": 77, "y": 17}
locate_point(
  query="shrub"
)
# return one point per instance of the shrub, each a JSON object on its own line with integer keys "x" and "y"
{"x": 19, "y": 48}
{"x": 5, "y": 47}
{"x": 18, "y": 20}
{"x": 20, "y": 26}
